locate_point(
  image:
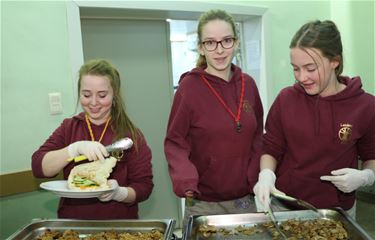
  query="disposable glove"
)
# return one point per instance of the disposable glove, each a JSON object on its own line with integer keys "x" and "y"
{"x": 92, "y": 150}
{"x": 263, "y": 188}
{"x": 350, "y": 179}
{"x": 118, "y": 194}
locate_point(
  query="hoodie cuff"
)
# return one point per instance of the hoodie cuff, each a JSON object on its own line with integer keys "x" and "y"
{"x": 182, "y": 187}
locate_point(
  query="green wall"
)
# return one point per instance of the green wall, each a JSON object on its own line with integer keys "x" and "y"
{"x": 35, "y": 61}
{"x": 355, "y": 19}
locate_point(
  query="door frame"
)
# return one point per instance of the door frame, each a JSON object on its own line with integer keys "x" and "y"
{"x": 183, "y": 10}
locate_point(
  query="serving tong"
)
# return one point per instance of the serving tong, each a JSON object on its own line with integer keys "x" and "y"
{"x": 295, "y": 200}
{"x": 118, "y": 146}
{"x": 275, "y": 223}
{"x": 290, "y": 199}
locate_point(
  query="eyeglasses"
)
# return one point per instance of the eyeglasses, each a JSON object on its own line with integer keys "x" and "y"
{"x": 226, "y": 43}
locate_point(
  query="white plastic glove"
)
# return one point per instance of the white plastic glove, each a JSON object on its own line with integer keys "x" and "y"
{"x": 349, "y": 179}
{"x": 263, "y": 188}
{"x": 118, "y": 194}
{"x": 92, "y": 150}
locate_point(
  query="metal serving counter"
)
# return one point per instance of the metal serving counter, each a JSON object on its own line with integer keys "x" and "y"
{"x": 86, "y": 227}
{"x": 232, "y": 221}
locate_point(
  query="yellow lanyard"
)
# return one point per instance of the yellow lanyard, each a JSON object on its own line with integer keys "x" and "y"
{"x": 90, "y": 130}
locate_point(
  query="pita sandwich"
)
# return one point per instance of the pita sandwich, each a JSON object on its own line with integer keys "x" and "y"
{"x": 92, "y": 175}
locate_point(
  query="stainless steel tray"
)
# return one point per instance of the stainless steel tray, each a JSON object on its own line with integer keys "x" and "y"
{"x": 231, "y": 221}
{"x": 87, "y": 227}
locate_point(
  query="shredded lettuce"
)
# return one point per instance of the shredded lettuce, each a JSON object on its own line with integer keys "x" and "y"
{"x": 80, "y": 181}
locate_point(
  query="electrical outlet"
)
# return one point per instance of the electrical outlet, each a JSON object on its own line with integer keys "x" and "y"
{"x": 55, "y": 106}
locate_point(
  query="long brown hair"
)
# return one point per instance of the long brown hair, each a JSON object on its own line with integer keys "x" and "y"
{"x": 120, "y": 122}
{"x": 324, "y": 36}
{"x": 208, "y": 16}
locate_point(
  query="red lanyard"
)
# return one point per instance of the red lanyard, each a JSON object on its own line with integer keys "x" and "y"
{"x": 235, "y": 117}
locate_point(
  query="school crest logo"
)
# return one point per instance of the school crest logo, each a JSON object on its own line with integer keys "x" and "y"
{"x": 345, "y": 132}
{"x": 247, "y": 107}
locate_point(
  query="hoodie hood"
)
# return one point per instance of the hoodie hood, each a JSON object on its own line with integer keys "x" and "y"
{"x": 80, "y": 116}
{"x": 353, "y": 89}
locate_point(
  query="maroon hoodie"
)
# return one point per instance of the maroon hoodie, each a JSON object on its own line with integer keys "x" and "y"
{"x": 311, "y": 135}
{"x": 204, "y": 151}
{"x": 133, "y": 170}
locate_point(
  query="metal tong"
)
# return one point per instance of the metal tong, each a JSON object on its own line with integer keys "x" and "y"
{"x": 120, "y": 145}
{"x": 295, "y": 200}
{"x": 275, "y": 223}
{"x": 291, "y": 199}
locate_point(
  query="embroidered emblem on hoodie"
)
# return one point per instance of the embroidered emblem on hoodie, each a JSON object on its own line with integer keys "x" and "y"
{"x": 345, "y": 132}
{"x": 247, "y": 107}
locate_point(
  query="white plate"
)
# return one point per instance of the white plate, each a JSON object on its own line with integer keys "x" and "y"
{"x": 60, "y": 188}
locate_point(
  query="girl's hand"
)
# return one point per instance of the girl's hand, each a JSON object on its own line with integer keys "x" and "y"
{"x": 349, "y": 179}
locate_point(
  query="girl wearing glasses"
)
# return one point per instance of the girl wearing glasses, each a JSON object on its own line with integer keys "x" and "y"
{"x": 215, "y": 126}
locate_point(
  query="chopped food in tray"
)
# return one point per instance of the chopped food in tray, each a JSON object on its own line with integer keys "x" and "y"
{"x": 315, "y": 229}
{"x": 207, "y": 230}
{"x": 112, "y": 235}
{"x": 327, "y": 224}
{"x": 293, "y": 228}
{"x": 72, "y": 229}
{"x": 51, "y": 234}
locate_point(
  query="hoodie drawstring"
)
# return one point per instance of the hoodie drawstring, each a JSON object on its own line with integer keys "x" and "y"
{"x": 333, "y": 121}
{"x": 317, "y": 117}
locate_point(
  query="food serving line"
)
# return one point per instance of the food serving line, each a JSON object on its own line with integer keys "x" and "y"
{"x": 259, "y": 223}
{"x": 226, "y": 226}
{"x": 312, "y": 224}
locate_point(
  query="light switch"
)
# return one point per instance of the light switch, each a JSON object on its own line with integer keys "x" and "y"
{"x": 55, "y": 103}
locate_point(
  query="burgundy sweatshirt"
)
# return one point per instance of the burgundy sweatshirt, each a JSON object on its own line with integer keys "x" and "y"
{"x": 204, "y": 151}
{"x": 311, "y": 135}
{"x": 134, "y": 170}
